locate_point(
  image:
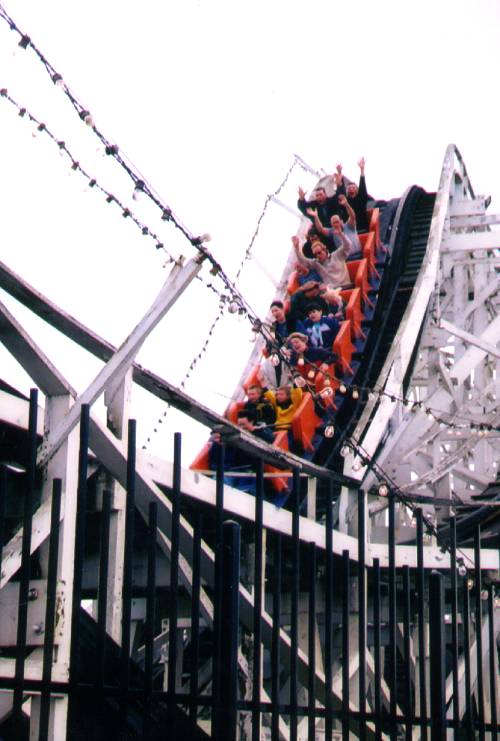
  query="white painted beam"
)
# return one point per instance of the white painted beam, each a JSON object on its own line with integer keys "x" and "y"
{"x": 471, "y": 242}
{"x": 113, "y": 372}
{"x": 473, "y": 221}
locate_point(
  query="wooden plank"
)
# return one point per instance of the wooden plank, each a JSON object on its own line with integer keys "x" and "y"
{"x": 472, "y": 241}
{"x": 472, "y": 221}
{"x": 488, "y": 347}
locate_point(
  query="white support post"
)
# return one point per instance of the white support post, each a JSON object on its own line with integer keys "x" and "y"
{"x": 117, "y": 418}
{"x": 111, "y": 376}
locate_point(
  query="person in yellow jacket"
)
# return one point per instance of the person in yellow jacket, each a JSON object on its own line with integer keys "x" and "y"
{"x": 285, "y": 400}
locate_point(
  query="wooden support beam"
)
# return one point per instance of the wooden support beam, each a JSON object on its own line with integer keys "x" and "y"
{"x": 471, "y": 339}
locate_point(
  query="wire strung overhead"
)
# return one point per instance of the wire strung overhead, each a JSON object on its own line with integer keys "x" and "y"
{"x": 141, "y": 185}
{"x": 75, "y": 166}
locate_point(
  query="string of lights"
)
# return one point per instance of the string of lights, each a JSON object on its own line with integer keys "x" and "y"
{"x": 230, "y": 301}
{"x": 479, "y": 428}
{"x": 141, "y": 186}
{"x": 268, "y": 200}
{"x": 39, "y": 127}
{"x": 229, "y": 296}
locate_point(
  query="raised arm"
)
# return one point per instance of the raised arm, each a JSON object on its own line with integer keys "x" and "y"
{"x": 317, "y": 223}
{"x": 362, "y": 182}
{"x": 346, "y": 247}
{"x": 298, "y": 253}
{"x": 351, "y": 216}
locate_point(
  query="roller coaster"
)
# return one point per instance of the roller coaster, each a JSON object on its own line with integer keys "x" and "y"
{"x": 148, "y": 599}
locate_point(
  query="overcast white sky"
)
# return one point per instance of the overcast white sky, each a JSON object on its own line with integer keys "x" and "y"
{"x": 210, "y": 100}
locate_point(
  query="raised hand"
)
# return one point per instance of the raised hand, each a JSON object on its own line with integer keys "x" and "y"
{"x": 302, "y": 194}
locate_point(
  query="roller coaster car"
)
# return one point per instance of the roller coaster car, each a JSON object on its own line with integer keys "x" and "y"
{"x": 305, "y": 421}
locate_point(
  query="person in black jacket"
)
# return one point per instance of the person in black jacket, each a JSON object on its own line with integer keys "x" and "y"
{"x": 326, "y": 206}
{"x": 357, "y": 197}
{"x": 236, "y": 460}
{"x": 258, "y": 407}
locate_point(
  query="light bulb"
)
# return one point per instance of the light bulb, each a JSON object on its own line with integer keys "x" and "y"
{"x": 300, "y": 382}
{"x": 326, "y": 392}
{"x": 233, "y": 307}
{"x": 58, "y": 80}
{"x": 139, "y": 188}
{"x": 311, "y": 375}
{"x": 342, "y": 388}
{"x": 327, "y": 382}
{"x": 274, "y": 359}
{"x": 329, "y": 431}
{"x": 344, "y": 450}
{"x": 355, "y": 394}
{"x": 383, "y": 490}
{"x": 89, "y": 120}
{"x": 462, "y": 569}
{"x": 300, "y": 361}
{"x": 484, "y": 594}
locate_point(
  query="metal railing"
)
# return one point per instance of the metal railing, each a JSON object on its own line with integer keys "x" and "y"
{"x": 301, "y": 643}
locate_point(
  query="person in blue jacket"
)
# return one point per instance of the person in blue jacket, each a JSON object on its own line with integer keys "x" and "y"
{"x": 321, "y": 330}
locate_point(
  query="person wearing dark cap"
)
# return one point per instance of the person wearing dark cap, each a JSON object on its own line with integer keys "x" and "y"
{"x": 321, "y": 330}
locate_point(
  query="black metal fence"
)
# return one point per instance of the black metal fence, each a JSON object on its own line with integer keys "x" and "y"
{"x": 303, "y": 643}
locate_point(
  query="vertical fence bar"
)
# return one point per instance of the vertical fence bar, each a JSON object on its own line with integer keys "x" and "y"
{"x": 218, "y": 583}
{"x": 227, "y": 711}
{"x": 437, "y": 657}
{"x": 329, "y": 614}
{"x": 83, "y": 461}
{"x": 407, "y": 657}
{"x": 454, "y": 623}
{"x": 479, "y": 630}
{"x": 376, "y": 649}
{"x": 294, "y": 600}
{"x": 150, "y": 619}
{"x": 469, "y": 725}
{"x": 392, "y": 618}
{"x": 25, "y": 570}
{"x": 346, "y": 604}
{"x": 492, "y": 664}
{"x": 103, "y": 588}
{"x": 50, "y": 610}
{"x": 174, "y": 583}
{"x": 195, "y": 617}
{"x": 311, "y": 643}
{"x": 3, "y": 496}
{"x": 257, "y": 613}
{"x": 128, "y": 559}
{"x": 275, "y": 645}
{"x": 362, "y": 613}
{"x": 422, "y": 653}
